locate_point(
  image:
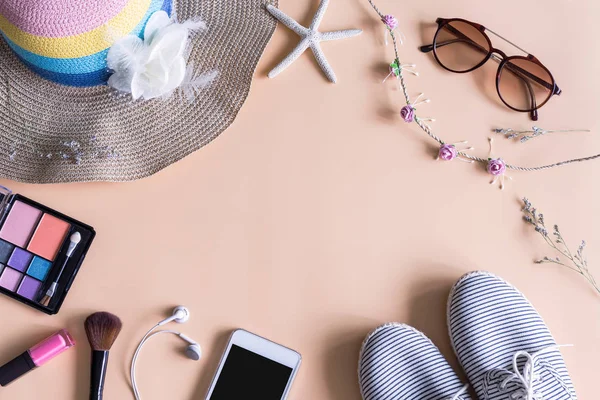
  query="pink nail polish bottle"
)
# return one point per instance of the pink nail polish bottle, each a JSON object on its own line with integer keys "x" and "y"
{"x": 36, "y": 356}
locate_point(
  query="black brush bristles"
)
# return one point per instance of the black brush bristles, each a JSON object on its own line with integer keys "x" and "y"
{"x": 102, "y": 329}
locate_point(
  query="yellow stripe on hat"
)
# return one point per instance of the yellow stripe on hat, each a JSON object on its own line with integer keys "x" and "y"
{"x": 84, "y": 44}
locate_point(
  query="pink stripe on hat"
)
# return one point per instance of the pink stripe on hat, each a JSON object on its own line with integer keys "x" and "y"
{"x": 60, "y": 18}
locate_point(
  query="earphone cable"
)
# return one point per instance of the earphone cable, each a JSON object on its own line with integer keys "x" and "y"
{"x": 147, "y": 337}
{"x": 134, "y": 359}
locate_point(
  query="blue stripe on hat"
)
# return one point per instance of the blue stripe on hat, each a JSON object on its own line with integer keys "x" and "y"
{"x": 94, "y": 78}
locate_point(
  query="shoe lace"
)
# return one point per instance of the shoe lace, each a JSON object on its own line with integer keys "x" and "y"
{"x": 531, "y": 374}
{"x": 462, "y": 391}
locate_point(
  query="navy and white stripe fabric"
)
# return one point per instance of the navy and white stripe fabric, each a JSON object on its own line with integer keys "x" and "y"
{"x": 397, "y": 362}
{"x": 503, "y": 344}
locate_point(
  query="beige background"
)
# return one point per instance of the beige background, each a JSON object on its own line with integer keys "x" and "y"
{"x": 319, "y": 214}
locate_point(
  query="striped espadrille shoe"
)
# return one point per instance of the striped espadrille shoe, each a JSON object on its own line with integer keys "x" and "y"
{"x": 503, "y": 344}
{"x": 397, "y": 362}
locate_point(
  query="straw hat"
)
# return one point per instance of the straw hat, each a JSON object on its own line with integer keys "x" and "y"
{"x": 60, "y": 122}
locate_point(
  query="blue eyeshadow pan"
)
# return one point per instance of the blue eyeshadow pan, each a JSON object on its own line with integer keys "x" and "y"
{"x": 6, "y": 250}
{"x": 39, "y": 268}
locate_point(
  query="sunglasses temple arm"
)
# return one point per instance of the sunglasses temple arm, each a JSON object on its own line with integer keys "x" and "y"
{"x": 426, "y": 48}
{"x": 534, "y": 113}
{"x": 463, "y": 38}
{"x": 520, "y": 71}
{"x": 460, "y": 37}
{"x": 513, "y": 68}
{"x": 429, "y": 47}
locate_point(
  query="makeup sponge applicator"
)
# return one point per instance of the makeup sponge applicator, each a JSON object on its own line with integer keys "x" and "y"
{"x": 102, "y": 329}
{"x": 73, "y": 242}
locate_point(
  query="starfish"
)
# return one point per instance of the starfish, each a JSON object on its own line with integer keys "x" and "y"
{"x": 311, "y": 37}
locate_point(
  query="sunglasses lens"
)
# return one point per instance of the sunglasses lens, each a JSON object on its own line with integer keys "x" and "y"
{"x": 524, "y": 85}
{"x": 460, "y": 46}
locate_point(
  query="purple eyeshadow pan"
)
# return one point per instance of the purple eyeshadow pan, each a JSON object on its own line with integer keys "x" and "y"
{"x": 29, "y": 287}
{"x": 20, "y": 259}
{"x": 10, "y": 279}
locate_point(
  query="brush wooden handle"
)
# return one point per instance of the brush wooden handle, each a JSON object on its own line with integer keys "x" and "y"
{"x": 99, "y": 364}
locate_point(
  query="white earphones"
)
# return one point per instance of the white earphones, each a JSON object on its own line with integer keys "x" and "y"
{"x": 180, "y": 315}
{"x": 193, "y": 351}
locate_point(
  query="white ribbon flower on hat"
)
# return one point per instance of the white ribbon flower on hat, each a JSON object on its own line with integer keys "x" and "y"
{"x": 155, "y": 66}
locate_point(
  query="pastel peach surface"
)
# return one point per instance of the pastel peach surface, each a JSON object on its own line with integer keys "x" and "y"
{"x": 320, "y": 214}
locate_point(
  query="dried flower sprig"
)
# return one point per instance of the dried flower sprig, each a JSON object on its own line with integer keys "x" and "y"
{"x": 71, "y": 150}
{"x": 535, "y": 132}
{"x": 576, "y": 262}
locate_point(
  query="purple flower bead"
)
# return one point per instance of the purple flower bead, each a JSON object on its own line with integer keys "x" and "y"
{"x": 407, "y": 113}
{"x": 496, "y": 166}
{"x": 448, "y": 152}
{"x": 390, "y": 21}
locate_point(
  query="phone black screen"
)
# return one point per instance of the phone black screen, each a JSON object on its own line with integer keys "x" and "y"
{"x": 247, "y": 375}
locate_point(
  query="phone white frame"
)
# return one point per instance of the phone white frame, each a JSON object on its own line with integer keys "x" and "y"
{"x": 263, "y": 347}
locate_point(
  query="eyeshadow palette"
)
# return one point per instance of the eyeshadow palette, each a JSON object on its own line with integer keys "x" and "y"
{"x": 41, "y": 251}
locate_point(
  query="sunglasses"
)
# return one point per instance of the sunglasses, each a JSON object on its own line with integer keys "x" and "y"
{"x": 523, "y": 83}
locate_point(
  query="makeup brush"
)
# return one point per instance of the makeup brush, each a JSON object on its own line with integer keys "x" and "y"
{"x": 102, "y": 329}
{"x": 74, "y": 241}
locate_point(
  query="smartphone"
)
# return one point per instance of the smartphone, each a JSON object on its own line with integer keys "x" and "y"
{"x": 254, "y": 368}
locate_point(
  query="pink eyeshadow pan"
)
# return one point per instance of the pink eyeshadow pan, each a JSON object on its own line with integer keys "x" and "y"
{"x": 20, "y": 223}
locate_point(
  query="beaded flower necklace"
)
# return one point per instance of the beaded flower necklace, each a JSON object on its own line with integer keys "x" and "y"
{"x": 496, "y": 167}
